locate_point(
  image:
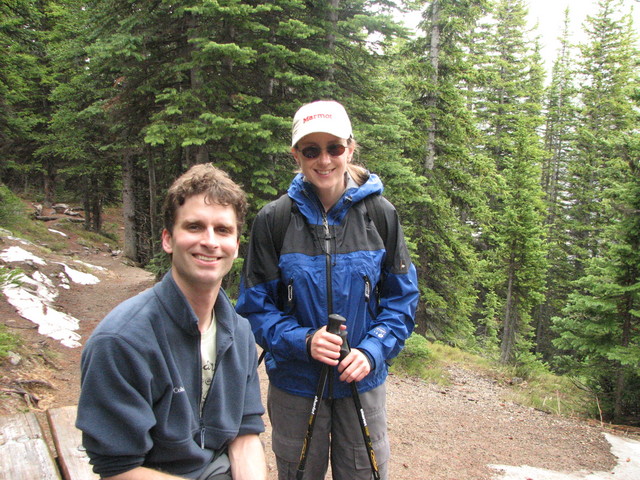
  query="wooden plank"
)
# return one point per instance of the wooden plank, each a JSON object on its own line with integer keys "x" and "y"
{"x": 24, "y": 453}
{"x": 72, "y": 458}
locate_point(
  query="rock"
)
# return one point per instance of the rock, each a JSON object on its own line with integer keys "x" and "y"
{"x": 14, "y": 358}
{"x": 60, "y": 208}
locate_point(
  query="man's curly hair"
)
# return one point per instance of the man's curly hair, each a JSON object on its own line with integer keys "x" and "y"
{"x": 214, "y": 183}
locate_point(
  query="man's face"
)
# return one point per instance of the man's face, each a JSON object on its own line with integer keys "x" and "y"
{"x": 203, "y": 245}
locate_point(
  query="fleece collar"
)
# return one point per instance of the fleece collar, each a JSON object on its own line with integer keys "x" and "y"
{"x": 181, "y": 313}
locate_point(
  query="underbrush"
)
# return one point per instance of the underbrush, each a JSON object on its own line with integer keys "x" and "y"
{"x": 532, "y": 385}
{"x": 15, "y": 218}
{"x": 418, "y": 360}
{"x": 88, "y": 238}
{"x": 555, "y": 394}
{"x": 8, "y": 341}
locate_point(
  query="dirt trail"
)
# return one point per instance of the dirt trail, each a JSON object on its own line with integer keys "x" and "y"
{"x": 437, "y": 433}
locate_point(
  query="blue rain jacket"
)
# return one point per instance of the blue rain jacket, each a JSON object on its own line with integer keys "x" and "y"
{"x": 333, "y": 262}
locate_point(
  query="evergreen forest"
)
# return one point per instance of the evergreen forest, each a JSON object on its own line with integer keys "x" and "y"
{"x": 518, "y": 188}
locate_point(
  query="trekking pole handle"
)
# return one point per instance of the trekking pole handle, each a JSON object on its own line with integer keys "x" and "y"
{"x": 335, "y": 322}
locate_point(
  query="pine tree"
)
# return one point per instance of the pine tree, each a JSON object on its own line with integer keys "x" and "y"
{"x": 606, "y": 67}
{"x": 600, "y": 324}
{"x": 24, "y": 88}
{"x": 509, "y": 114}
{"x": 559, "y": 142}
{"x": 599, "y": 327}
{"x": 454, "y": 178}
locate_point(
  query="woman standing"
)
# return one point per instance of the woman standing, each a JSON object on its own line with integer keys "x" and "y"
{"x": 331, "y": 258}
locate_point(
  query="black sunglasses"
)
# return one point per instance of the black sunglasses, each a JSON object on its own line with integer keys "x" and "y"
{"x": 313, "y": 151}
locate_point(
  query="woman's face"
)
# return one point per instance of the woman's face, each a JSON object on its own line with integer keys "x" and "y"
{"x": 323, "y": 159}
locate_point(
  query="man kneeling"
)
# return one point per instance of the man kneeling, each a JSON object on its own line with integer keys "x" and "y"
{"x": 169, "y": 381}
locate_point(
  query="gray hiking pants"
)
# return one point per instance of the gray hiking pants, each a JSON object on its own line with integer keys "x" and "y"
{"x": 336, "y": 433}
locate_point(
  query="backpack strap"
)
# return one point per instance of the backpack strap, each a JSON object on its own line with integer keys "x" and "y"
{"x": 376, "y": 214}
{"x": 281, "y": 220}
{"x": 385, "y": 218}
{"x": 280, "y": 223}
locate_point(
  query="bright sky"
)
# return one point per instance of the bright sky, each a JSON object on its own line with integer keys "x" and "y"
{"x": 549, "y": 14}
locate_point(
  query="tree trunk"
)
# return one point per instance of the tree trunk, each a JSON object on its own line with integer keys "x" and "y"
{"x": 130, "y": 248}
{"x": 625, "y": 313}
{"x": 331, "y": 37}
{"x": 49, "y": 183}
{"x": 434, "y": 56}
{"x": 86, "y": 204}
{"x": 509, "y": 324}
{"x": 96, "y": 205}
{"x": 153, "y": 217}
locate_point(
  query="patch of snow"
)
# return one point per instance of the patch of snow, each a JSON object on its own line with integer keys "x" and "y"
{"x": 39, "y": 285}
{"x": 64, "y": 281}
{"x": 17, "y": 254}
{"x": 58, "y": 232}
{"x": 52, "y": 323}
{"x": 33, "y": 297}
{"x": 94, "y": 267}
{"x": 77, "y": 276}
{"x": 628, "y": 468}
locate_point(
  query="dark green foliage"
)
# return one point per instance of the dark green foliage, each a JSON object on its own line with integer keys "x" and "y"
{"x": 598, "y": 328}
{"x": 24, "y": 88}
{"x": 416, "y": 358}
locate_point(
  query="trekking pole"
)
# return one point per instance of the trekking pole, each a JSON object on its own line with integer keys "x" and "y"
{"x": 344, "y": 351}
{"x": 332, "y": 327}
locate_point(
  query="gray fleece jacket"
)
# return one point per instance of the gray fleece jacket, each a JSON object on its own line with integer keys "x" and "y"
{"x": 141, "y": 385}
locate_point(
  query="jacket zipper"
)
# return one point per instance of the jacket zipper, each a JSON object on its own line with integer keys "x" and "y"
{"x": 367, "y": 289}
{"x": 203, "y": 402}
{"x": 290, "y": 294}
{"x": 327, "y": 248}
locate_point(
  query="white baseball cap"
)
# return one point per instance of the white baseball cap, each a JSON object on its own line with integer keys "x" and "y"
{"x": 326, "y": 116}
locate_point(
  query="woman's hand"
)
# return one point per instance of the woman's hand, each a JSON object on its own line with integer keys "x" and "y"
{"x": 325, "y": 347}
{"x": 354, "y": 367}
